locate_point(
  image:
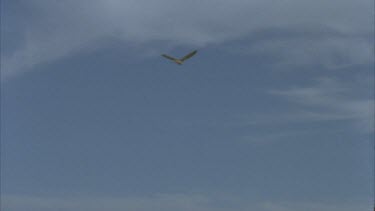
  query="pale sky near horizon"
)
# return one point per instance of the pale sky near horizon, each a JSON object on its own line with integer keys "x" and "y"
{"x": 274, "y": 112}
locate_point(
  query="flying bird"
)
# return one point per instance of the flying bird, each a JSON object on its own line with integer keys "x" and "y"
{"x": 180, "y": 61}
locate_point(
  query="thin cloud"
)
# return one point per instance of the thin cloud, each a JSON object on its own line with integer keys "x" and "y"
{"x": 307, "y": 45}
{"x": 166, "y": 202}
{"x": 328, "y": 100}
{"x": 308, "y": 206}
{"x": 62, "y": 28}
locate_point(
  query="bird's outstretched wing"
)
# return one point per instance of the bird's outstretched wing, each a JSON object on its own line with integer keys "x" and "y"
{"x": 169, "y": 57}
{"x": 189, "y": 55}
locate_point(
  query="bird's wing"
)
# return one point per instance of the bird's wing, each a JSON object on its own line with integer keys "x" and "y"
{"x": 189, "y": 55}
{"x": 169, "y": 57}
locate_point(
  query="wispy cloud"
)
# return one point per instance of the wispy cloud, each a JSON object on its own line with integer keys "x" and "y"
{"x": 307, "y": 45}
{"x": 166, "y": 202}
{"x": 327, "y": 100}
{"x": 283, "y": 206}
{"x": 157, "y": 202}
{"x": 61, "y": 28}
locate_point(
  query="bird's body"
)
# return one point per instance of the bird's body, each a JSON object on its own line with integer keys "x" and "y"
{"x": 180, "y": 61}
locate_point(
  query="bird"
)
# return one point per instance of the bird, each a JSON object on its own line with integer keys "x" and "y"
{"x": 180, "y": 61}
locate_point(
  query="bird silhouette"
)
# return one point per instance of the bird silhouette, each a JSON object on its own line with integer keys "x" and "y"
{"x": 180, "y": 61}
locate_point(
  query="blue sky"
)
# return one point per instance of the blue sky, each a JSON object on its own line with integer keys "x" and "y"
{"x": 274, "y": 113}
